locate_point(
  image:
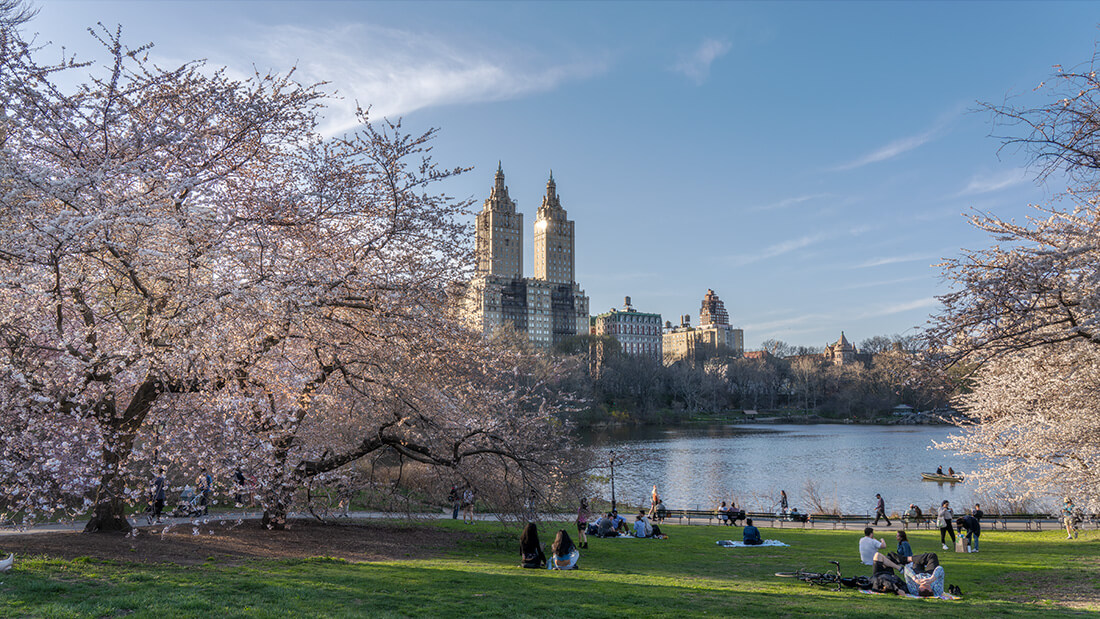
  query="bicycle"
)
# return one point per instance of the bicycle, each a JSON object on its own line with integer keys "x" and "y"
{"x": 821, "y": 579}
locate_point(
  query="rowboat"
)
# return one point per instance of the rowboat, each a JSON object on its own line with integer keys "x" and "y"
{"x": 941, "y": 478}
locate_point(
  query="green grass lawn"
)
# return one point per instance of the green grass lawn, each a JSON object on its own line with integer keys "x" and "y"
{"x": 686, "y": 575}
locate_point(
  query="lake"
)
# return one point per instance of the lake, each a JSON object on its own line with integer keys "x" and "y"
{"x": 696, "y": 467}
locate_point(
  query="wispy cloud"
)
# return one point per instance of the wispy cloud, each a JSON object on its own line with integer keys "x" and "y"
{"x": 787, "y": 203}
{"x": 897, "y": 308}
{"x": 396, "y": 72}
{"x": 887, "y": 282}
{"x": 782, "y": 324}
{"x": 891, "y": 150}
{"x": 902, "y": 145}
{"x": 995, "y": 181}
{"x": 696, "y": 66}
{"x": 877, "y": 262}
{"x": 778, "y": 249}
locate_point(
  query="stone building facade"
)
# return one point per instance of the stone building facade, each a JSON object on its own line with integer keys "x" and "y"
{"x": 548, "y": 307}
{"x": 713, "y": 336}
{"x": 842, "y": 352}
{"x": 638, "y": 333}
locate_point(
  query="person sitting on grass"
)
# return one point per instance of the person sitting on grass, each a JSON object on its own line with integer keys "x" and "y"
{"x": 924, "y": 575}
{"x": 530, "y": 549}
{"x": 605, "y": 526}
{"x": 642, "y": 526}
{"x": 563, "y": 554}
{"x": 750, "y": 535}
{"x": 619, "y": 522}
{"x": 904, "y": 549}
{"x": 868, "y": 546}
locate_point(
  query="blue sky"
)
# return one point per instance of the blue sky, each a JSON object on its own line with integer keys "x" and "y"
{"x": 810, "y": 162}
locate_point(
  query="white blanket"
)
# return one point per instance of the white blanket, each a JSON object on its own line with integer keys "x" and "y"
{"x": 729, "y": 543}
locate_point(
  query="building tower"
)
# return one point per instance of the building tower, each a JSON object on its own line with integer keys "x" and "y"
{"x": 713, "y": 310}
{"x": 553, "y": 239}
{"x": 500, "y": 234}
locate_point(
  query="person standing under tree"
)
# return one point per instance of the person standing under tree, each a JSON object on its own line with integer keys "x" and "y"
{"x": 158, "y": 494}
{"x": 468, "y": 498}
{"x": 1069, "y": 518}
{"x": 582, "y": 524}
{"x": 880, "y": 510}
{"x": 205, "y": 484}
{"x": 456, "y": 501}
{"x": 238, "y": 488}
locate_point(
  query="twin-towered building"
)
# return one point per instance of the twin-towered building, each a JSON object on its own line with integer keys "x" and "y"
{"x": 548, "y": 307}
{"x": 551, "y": 306}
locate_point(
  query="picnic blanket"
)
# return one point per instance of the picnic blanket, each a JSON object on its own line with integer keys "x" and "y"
{"x": 945, "y": 596}
{"x": 729, "y": 543}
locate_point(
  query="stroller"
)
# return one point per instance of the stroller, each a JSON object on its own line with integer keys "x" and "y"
{"x": 189, "y": 505}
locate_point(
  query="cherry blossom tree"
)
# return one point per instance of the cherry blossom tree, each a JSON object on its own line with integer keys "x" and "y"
{"x": 191, "y": 275}
{"x": 1025, "y": 312}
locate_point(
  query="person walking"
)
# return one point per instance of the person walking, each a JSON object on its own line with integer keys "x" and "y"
{"x": 468, "y": 498}
{"x": 654, "y": 500}
{"x": 783, "y": 502}
{"x": 158, "y": 495}
{"x": 1069, "y": 518}
{"x": 880, "y": 510}
{"x": 943, "y": 520}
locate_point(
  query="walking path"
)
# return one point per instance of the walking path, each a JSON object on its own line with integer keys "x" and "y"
{"x": 141, "y": 522}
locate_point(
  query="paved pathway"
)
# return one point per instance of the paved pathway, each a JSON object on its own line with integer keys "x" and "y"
{"x": 231, "y": 516}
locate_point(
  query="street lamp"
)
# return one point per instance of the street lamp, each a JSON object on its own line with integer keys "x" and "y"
{"x": 611, "y": 461}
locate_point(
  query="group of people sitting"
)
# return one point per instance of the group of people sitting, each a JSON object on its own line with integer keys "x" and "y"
{"x": 612, "y": 524}
{"x": 730, "y": 514}
{"x": 922, "y": 574}
{"x": 563, "y": 552}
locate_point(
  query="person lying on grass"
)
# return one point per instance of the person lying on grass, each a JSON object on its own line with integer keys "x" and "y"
{"x": 924, "y": 576}
{"x": 563, "y": 554}
{"x": 530, "y": 549}
{"x": 883, "y": 579}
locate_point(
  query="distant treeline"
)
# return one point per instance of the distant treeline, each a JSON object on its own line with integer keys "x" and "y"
{"x": 634, "y": 389}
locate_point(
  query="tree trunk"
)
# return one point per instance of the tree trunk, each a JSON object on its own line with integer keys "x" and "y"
{"x": 274, "y": 518}
{"x": 109, "y": 516}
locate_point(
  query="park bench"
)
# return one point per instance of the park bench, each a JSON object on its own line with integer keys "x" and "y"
{"x": 680, "y": 515}
{"x": 841, "y": 520}
{"x": 922, "y": 521}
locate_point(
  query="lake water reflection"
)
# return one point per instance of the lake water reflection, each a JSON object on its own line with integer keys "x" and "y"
{"x": 696, "y": 467}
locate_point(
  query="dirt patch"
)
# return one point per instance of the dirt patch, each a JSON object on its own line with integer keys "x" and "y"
{"x": 1077, "y": 591}
{"x": 229, "y": 541}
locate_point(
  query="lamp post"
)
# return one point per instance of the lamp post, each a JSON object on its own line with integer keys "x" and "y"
{"x": 611, "y": 461}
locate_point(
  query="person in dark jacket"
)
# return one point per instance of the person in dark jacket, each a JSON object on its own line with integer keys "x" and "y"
{"x": 973, "y": 530}
{"x": 605, "y": 527}
{"x": 750, "y": 535}
{"x": 158, "y": 495}
{"x": 530, "y": 549}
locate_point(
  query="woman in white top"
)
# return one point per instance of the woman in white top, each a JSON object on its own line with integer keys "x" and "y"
{"x": 943, "y": 520}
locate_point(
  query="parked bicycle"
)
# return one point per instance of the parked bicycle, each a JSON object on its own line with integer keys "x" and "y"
{"x": 828, "y": 579}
